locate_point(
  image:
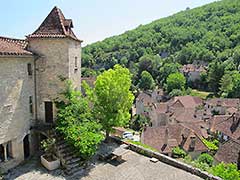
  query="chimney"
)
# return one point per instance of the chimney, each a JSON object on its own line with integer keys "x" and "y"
{"x": 166, "y": 136}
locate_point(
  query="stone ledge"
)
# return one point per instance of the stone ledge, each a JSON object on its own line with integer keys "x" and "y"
{"x": 169, "y": 160}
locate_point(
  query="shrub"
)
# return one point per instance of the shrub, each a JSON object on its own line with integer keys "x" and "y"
{"x": 226, "y": 171}
{"x": 176, "y": 92}
{"x": 205, "y": 158}
{"x": 210, "y": 145}
{"x": 48, "y": 146}
{"x": 177, "y": 152}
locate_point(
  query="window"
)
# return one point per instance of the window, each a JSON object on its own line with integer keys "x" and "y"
{"x": 29, "y": 69}
{"x": 76, "y": 65}
{"x": 30, "y": 104}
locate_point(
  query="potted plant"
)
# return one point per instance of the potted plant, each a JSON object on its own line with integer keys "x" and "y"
{"x": 48, "y": 159}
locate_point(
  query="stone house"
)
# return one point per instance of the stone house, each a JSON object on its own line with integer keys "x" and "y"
{"x": 227, "y": 127}
{"x": 30, "y": 72}
{"x": 222, "y": 106}
{"x": 165, "y": 138}
{"x": 192, "y": 72}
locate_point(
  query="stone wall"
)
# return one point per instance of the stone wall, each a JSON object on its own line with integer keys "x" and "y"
{"x": 15, "y": 89}
{"x": 57, "y": 59}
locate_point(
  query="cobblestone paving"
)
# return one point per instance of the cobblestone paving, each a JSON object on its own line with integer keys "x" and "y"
{"x": 135, "y": 167}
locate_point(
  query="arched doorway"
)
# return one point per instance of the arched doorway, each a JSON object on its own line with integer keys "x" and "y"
{"x": 26, "y": 146}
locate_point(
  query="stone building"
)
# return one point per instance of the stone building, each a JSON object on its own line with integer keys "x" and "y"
{"x": 30, "y": 74}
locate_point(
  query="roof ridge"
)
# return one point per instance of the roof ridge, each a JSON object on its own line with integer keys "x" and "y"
{"x": 20, "y": 42}
{"x": 59, "y": 12}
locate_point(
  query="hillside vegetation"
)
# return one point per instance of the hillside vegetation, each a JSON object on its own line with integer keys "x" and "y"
{"x": 210, "y": 33}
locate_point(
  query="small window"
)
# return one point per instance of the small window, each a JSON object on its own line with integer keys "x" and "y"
{"x": 76, "y": 65}
{"x": 30, "y": 104}
{"x": 29, "y": 68}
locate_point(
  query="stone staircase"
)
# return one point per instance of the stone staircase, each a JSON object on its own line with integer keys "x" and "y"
{"x": 70, "y": 160}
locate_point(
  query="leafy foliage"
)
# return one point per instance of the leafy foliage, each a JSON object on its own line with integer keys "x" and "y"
{"x": 139, "y": 122}
{"x": 146, "y": 82}
{"x": 176, "y": 81}
{"x": 48, "y": 145}
{"x": 76, "y": 123}
{"x": 226, "y": 171}
{"x": 205, "y": 158}
{"x": 177, "y": 152}
{"x": 142, "y": 145}
{"x": 209, "y": 33}
{"x": 111, "y": 98}
{"x": 213, "y": 147}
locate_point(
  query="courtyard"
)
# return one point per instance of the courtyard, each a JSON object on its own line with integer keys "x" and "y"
{"x": 133, "y": 167}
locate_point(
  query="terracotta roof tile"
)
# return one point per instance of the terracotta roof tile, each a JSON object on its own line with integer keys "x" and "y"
{"x": 228, "y": 152}
{"x": 55, "y": 26}
{"x": 188, "y": 101}
{"x": 9, "y": 46}
{"x": 157, "y": 138}
{"x": 230, "y": 126}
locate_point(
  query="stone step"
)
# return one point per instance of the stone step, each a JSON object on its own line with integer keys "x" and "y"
{"x": 74, "y": 164}
{"x": 74, "y": 171}
{"x": 70, "y": 160}
{"x": 63, "y": 146}
{"x": 69, "y": 154}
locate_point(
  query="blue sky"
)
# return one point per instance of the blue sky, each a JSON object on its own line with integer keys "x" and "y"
{"x": 93, "y": 20}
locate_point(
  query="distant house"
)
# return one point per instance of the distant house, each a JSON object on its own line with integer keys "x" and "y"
{"x": 192, "y": 71}
{"x": 165, "y": 138}
{"x": 228, "y": 127}
{"x": 222, "y": 106}
{"x": 186, "y": 102}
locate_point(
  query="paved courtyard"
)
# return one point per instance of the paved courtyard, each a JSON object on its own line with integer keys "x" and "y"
{"x": 134, "y": 167}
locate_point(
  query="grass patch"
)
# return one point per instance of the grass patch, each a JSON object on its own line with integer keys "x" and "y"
{"x": 201, "y": 94}
{"x": 142, "y": 145}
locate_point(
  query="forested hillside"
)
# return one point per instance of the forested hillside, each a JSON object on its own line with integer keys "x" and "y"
{"x": 209, "y": 33}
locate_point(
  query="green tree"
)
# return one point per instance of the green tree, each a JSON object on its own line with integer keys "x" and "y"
{"x": 215, "y": 73}
{"x": 176, "y": 81}
{"x": 112, "y": 98}
{"x": 166, "y": 70}
{"x": 76, "y": 123}
{"x": 205, "y": 158}
{"x": 146, "y": 82}
{"x": 139, "y": 122}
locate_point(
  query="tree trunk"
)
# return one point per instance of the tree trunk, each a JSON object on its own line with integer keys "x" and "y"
{"x": 107, "y": 136}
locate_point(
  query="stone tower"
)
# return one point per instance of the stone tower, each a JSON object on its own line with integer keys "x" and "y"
{"x": 58, "y": 54}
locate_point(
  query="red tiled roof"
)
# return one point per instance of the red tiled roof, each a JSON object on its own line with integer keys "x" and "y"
{"x": 156, "y": 137}
{"x": 225, "y": 102}
{"x": 9, "y": 46}
{"x": 188, "y": 101}
{"x": 230, "y": 126}
{"x": 217, "y": 119}
{"x": 192, "y": 68}
{"x": 228, "y": 152}
{"x": 55, "y": 26}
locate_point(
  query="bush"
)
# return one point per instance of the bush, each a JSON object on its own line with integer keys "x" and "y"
{"x": 205, "y": 158}
{"x": 177, "y": 152}
{"x": 176, "y": 92}
{"x": 210, "y": 145}
{"x": 226, "y": 171}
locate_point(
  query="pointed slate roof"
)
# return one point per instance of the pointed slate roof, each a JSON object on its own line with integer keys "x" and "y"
{"x": 55, "y": 26}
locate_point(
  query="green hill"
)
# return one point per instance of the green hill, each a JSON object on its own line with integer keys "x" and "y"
{"x": 207, "y": 33}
